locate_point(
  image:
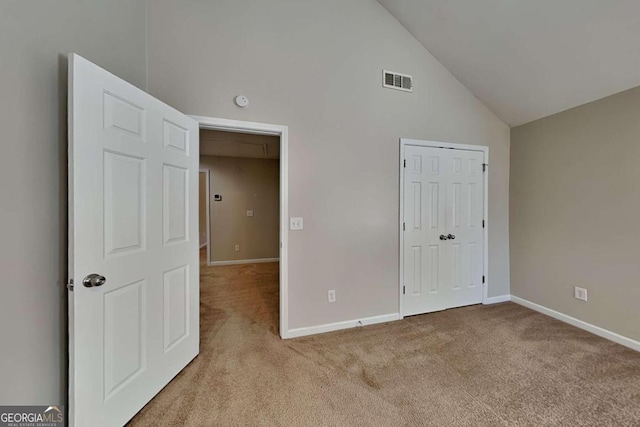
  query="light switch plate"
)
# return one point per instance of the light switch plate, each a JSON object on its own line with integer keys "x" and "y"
{"x": 331, "y": 295}
{"x": 249, "y": 213}
{"x": 295, "y": 223}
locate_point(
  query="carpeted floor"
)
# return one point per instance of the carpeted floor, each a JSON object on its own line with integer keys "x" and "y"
{"x": 474, "y": 366}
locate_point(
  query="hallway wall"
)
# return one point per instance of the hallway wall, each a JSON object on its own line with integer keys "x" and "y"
{"x": 244, "y": 184}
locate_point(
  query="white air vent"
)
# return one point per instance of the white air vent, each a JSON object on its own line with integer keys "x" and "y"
{"x": 398, "y": 81}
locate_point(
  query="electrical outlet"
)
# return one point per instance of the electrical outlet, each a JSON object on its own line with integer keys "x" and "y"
{"x": 331, "y": 295}
{"x": 580, "y": 293}
{"x": 237, "y": 248}
{"x": 296, "y": 223}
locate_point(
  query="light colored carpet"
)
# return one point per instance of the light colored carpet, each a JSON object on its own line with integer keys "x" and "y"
{"x": 474, "y": 366}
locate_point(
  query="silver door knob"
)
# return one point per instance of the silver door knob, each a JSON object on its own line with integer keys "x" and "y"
{"x": 451, "y": 237}
{"x": 443, "y": 237}
{"x": 94, "y": 280}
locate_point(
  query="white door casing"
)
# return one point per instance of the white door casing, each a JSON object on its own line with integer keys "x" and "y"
{"x": 443, "y": 248}
{"x": 283, "y": 133}
{"x": 133, "y": 218}
{"x": 207, "y": 201}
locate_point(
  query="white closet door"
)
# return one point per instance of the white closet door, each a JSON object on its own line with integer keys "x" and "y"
{"x": 443, "y": 246}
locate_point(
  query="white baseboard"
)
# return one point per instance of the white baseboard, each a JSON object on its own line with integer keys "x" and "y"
{"x": 496, "y": 300}
{"x": 243, "y": 261}
{"x": 329, "y": 327}
{"x": 601, "y": 332}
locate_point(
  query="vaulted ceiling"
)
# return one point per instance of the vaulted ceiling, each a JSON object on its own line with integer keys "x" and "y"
{"x": 527, "y": 59}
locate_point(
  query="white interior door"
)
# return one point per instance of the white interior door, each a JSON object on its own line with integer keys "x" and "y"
{"x": 133, "y": 224}
{"x": 443, "y": 221}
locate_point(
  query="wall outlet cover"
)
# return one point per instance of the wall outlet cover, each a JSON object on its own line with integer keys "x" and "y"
{"x": 295, "y": 223}
{"x": 250, "y": 213}
{"x": 580, "y": 293}
{"x": 237, "y": 248}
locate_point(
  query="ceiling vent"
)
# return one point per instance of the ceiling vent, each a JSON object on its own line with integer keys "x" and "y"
{"x": 393, "y": 80}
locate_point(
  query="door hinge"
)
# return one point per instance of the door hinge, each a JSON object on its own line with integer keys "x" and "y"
{"x": 404, "y": 226}
{"x": 70, "y": 285}
{"x": 482, "y": 279}
{"x": 404, "y": 290}
{"x": 484, "y": 167}
{"x": 405, "y": 163}
{"x": 483, "y": 223}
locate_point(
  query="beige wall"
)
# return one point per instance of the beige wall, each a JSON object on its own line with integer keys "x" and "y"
{"x": 245, "y": 184}
{"x": 35, "y": 37}
{"x": 202, "y": 207}
{"x": 316, "y": 66}
{"x": 575, "y": 204}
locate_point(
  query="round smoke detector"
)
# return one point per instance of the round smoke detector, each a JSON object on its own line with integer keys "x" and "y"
{"x": 242, "y": 101}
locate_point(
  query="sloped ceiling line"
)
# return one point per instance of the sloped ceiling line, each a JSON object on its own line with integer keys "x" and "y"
{"x": 529, "y": 59}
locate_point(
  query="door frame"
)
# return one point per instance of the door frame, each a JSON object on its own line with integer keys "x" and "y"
{"x": 207, "y": 177}
{"x": 452, "y": 146}
{"x": 240, "y": 126}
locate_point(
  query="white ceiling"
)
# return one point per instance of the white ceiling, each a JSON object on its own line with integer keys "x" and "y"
{"x": 527, "y": 59}
{"x": 232, "y": 144}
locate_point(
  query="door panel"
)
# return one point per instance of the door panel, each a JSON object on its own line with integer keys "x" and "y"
{"x": 133, "y": 194}
{"x": 425, "y": 213}
{"x": 443, "y": 190}
{"x": 466, "y": 225}
{"x": 124, "y": 203}
{"x": 124, "y": 335}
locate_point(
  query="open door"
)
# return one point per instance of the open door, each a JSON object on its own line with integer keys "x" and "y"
{"x": 133, "y": 245}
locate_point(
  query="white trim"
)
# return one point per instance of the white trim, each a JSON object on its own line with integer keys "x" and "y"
{"x": 485, "y": 218}
{"x": 436, "y": 144}
{"x": 242, "y": 261}
{"x": 401, "y": 233}
{"x": 596, "y": 330}
{"x": 329, "y": 327}
{"x": 239, "y": 126}
{"x": 283, "y": 133}
{"x": 207, "y": 173}
{"x": 439, "y": 144}
{"x": 496, "y": 300}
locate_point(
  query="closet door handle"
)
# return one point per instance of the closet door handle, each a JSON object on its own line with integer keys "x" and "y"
{"x": 451, "y": 237}
{"x": 443, "y": 237}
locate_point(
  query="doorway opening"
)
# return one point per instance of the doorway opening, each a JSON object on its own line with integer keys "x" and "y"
{"x": 133, "y": 289}
{"x": 243, "y": 235}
